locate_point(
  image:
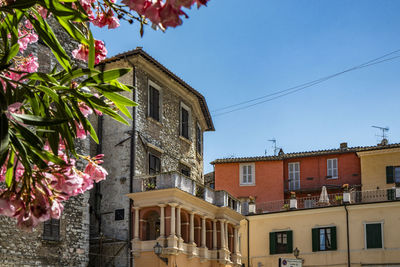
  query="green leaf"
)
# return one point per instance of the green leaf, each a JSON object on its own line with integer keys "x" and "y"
{"x": 124, "y": 110}
{"x": 40, "y": 76}
{"x": 47, "y": 156}
{"x": 60, "y": 10}
{"x": 112, "y": 114}
{"x": 10, "y": 169}
{"x": 92, "y": 51}
{"x": 120, "y": 99}
{"x": 48, "y": 91}
{"x": 23, "y": 4}
{"x": 37, "y": 120}
{"x": 29, "y": 136}
{"x": 92, "y": 132}
{"x": 106, "y": 76}
{"x": 4, "y": 135}
{"x": 78, "y": 73}
{"x": 72, "y": 30}
{"x": 13, "y": 52}
{"x": 44, "y": 30}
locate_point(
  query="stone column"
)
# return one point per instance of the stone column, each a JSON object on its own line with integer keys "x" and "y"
{"x": 178, "y": 221}
{"x": 173, "y": 205}
{"x": 215, "y": 234}
{"x": 191, "y": 226}
{"x": 162, "y": 220}
{"x": 136, "y": 231}
{"x": 222, "y": 222}
{"x": 226, "y": 236}
{"x": 236, "y": 240}
{"x": 203, "y": 232}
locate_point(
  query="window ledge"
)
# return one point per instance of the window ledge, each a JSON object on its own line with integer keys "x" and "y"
{"x": 332, "y": 178}
{"x": 185, "y": 139}
{"x": 248, "y": 184}
{"x": 154, "y": 121}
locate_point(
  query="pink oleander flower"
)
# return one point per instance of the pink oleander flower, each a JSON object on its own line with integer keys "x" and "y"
{"x": 30, "y": 64}
{"x": 104, "y": 19}
{"x": 82, "y": 52}
{"x": 80, "y": 131}
{"x": 96, "y": 172}
{"x": 6, "y": 207}
{"x": 85, "y": 109}
{"x": 136, "y": 5}
{"x": 56, "y": 209}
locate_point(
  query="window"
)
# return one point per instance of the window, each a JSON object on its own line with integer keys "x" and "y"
{"x": 281, "y": 242}
{"x": 392, "y": 174}
{"x": 152, "y": 226}
{"x": 185, "y": 170}
{"x": 154, "y": 164}
{"x": 294, "y": 175}
{"x": 199, "y": 139}
{"x": 247, "y": 174}
{"x": 332, "y": 169}
{"x": 119, "y": 214}
{"x": 185, "y": 120}
{"x": 324, "y": 238}
{"x": 51, "y": 230}
{"x": 373, "y": 235}
{"x": 154, "y": 102}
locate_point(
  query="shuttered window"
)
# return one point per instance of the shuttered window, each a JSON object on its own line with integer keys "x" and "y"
{"x": 247, "y": 173}
{"x": 51, "y": 230}
{"x": 294, "y": 175}
{"x": 154, "y": 103}
{"x": 280, "y": 242}
{"x": 392, "y": 174}
{"x": 199, "y": 140}
{"x": 332, "y": 168}
{"x": 373, "y": 235}
{"x": 324, "y": 239}
{"x": 154, "y": 164}
{"x": 184, "y": 122}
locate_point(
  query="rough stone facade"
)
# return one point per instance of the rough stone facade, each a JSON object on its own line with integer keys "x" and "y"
{"x": 20, "y": 248}
{"x": 125, "y": 160}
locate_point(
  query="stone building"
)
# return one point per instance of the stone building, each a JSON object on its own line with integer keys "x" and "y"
{"x": 165, "y": 135}
{"x": 63, "y": 242}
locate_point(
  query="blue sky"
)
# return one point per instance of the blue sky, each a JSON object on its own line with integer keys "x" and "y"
{"x": 233, "y": 51}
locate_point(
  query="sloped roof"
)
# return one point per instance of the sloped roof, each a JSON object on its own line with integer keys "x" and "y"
{"x": 306, "y": 154}
{"x": 139, "y": 52}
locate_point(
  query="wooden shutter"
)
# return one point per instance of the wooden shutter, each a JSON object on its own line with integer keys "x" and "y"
{"x": 389, "y": 174}
{"x": 289, "y": 241}
{"x": 185, "y": 123}
{"x": 156, "y": 104}
{"x": 333, "y": 238}
{"x": 374, "y": 235}
{"x": 272, "y": 243}
{"x": 315, "y": 239}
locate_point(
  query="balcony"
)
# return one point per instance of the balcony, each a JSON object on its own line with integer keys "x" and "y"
{"x": 219, "y": 198}
{"x": 356, "y": 197}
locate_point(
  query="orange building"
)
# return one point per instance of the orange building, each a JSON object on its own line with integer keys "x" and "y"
{"x": 270, "y": 179}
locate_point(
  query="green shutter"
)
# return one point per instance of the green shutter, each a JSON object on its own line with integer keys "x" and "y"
{"x": 333, "y": 238}
{"x": 289, "y": 241}
{"x": 272, "y": 243}
{"x": 389, "y": 174}
{"x": 374, "y": 235}
{"x": 391, "y": 194}
{"x": 315, "y": 239}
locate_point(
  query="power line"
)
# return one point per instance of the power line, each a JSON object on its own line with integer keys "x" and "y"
{"x": 303, "y": 86}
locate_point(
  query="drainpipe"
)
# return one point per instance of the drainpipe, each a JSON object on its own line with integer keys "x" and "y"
{"x": 348, "y": 236}
{"x": 132, "y": 163}
{"x": 248, "y": 242}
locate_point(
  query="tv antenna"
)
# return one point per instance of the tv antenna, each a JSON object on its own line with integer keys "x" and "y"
{"x": 273, "y": 140}
{"x": 384, "y": 131}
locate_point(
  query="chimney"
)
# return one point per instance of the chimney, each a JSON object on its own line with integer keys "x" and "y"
{"x": 281, "y": 153}
{"x": 384, "y": 142}
{"x": 343, "y": 146}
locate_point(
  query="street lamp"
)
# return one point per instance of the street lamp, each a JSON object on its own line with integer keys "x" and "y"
{"x": 158, "y": 250}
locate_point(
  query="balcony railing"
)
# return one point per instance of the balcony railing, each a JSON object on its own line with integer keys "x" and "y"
{"x": 219, "y": 198}
{"x": 356, "y": 197}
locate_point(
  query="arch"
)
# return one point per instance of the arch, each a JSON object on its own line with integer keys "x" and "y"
{"x": 185, "y": 226}
{"x": 151, "y": 229}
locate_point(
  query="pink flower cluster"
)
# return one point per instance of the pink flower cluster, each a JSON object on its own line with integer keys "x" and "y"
{"x": 100, "y": 15}
{"x": 166, "y": 14}
{"x": 40, "y": 195}
{"x": 82, "y": 52}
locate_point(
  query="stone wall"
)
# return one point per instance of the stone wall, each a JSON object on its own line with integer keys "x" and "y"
{"x": 19, "y": 248}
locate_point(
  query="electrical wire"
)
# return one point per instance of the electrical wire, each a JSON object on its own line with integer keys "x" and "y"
{"x": 303, "y": 86}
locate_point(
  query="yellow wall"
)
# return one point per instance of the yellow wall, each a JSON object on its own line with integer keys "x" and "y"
{"x": 373, "y": 167}
{"x": 302, "y": 221}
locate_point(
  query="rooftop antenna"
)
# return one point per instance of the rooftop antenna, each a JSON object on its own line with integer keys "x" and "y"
{"x": 273, "y": 140}
{"x": 384, "y": 130}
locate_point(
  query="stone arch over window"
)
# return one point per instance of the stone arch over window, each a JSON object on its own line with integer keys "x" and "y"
{"x": 209, "y": 234}
{"x": 151, "y": 229}
{"x": 185, "y": 226}
{"x": 197, "y": 230}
